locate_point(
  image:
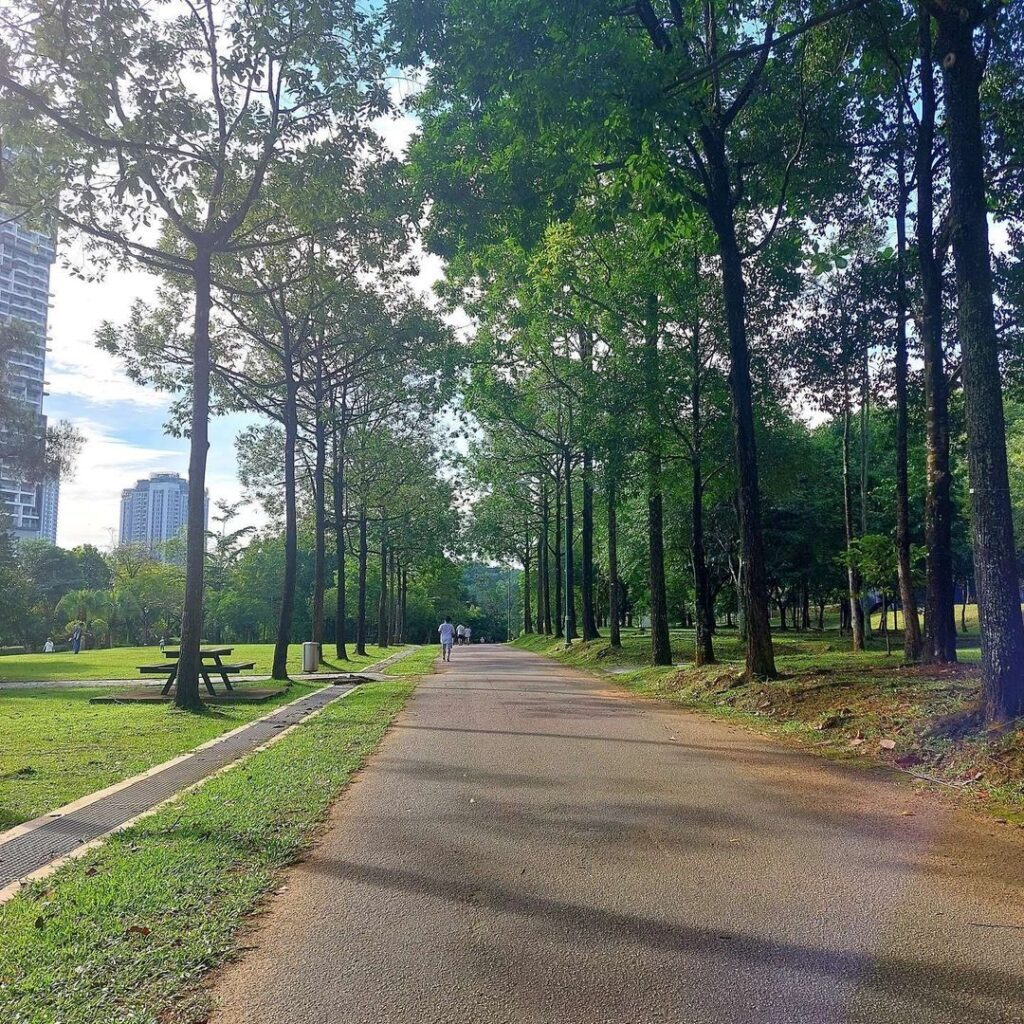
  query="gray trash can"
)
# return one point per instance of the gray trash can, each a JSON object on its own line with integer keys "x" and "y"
{"x": 310, "y": 657}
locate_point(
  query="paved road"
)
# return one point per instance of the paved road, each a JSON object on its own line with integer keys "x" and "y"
{"x": 531, "y": 847}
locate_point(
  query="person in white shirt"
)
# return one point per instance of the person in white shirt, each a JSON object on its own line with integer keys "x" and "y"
{"x": 48, "y": 646}
{"x": 447, "y": 633}
{"x": 460, "y": 632}
{"x": 467, "y": 634}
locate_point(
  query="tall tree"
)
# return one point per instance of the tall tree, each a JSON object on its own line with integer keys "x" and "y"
{"x": 127, "y": 142}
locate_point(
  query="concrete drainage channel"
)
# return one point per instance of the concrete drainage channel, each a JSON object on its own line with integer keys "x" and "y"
{"x": 33, "y": 849}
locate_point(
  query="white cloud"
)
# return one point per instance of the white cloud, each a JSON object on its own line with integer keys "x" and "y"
{"x": 90, "y": 503}
{"x": 75, "y": 367}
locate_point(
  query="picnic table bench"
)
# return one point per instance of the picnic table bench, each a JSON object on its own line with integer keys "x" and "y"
{"x": 210, "y": 661}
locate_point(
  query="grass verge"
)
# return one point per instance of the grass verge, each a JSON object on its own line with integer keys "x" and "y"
{"x": 419, "y": 663}
{"x": 124, "y": 935}
{"x": 56, "y": 747}
{"x": 865, "y": 708}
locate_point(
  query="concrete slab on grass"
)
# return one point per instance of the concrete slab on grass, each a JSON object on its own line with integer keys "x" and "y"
{"x": 151, "y": 695}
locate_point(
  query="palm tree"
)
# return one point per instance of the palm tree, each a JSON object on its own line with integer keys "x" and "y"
{"x": 82, "y": 605}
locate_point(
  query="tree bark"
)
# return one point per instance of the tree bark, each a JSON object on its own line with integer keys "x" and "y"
{"x": 587, "y": 581}
{"x": 703, "y": 648}
{"x": 364, "y": 557}
{"x": 760, "y": 654}
{"x": 403, "y": 603}
{"x": 940, "y": 626}
{"x": 382, "y": 596}
{"x": 570, "y": 567}
{"x": 852, "y": 573}
{"x": 319, "y": 529}
{"x": 911, "y": 626}
{"x": 559, "y": 615}
{"x": 863, "y": 452}
{"x": 614, "y": 610}
{"x": 661, "y": 647}
{"x": 527, "y": 596}
{"x": 340, "y": 612}
{"x": 284, "y": 622}
{"x": 545, "y": 573}
{"x": 995, "y": 562}
{"x": 186, "y": 693}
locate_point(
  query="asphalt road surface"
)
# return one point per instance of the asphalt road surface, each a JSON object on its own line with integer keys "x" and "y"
{"x": 530, "y": 846}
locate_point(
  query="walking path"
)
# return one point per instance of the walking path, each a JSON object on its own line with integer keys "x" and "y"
{"x": 39, "y": 845}
{"x": 532, "y": 847}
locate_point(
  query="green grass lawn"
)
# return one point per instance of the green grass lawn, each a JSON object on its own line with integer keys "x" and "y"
{"x": 56, "y": 747}
{"x": 126, "y": 933}
{"x": 123, "y": 662}
{"x": 419, "y": 663}
{"x": 794, "y": 650}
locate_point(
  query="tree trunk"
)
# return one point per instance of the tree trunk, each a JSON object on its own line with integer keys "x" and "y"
{"x": 403, "y": 636}
{"x": 614, "y": 610}
{"x": 527, "y": 596}
{"x": 863, "y": 454}
{"x": 661, "y": 647}
{"x": 392, "y": 595}
{"x": 703, "y": 649}
{"x": 587, "y": 580}
{"x": 760, "y": 654}
{"x": 319, "y": 530}
{"x": 284, "y": 622}
{"x": 852, "y": 573}
{"x": 559, "y": 614}
{"x": 911, "y": 626}
{"x": 544, "y": 568}
{"x": 940, "y": 627}
{"x": 364, "y": 557}
{"x": 186, "y": 693}
{"x": 570, "y": 568}
{"x": 382, "y": 596}
{"x": 340, "y": 612}
{"x": 995, "y": 555}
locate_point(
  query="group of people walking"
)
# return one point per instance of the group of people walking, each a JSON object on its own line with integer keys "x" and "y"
{"x": 453, "y": 636}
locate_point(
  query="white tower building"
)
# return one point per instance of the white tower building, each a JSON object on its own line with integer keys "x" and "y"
{"x": 155, "y": 511}
{"x": 25, "y": 260}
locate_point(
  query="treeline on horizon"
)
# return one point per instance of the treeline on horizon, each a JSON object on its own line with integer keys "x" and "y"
{"x": 128, "y": 597}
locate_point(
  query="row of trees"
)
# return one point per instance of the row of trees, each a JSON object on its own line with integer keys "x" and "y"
{"x": 681, "y": 225}
{"x": 128, "y": 597}
{"x": 257, "y": 187}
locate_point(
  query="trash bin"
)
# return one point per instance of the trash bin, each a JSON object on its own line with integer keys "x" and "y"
{"x": 310, "y": 656}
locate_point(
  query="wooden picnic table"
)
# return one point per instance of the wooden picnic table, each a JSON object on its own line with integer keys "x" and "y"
{"x": 211, "y": 660}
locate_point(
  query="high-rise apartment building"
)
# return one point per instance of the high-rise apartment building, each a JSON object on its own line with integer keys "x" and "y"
{"x": 155, "y": 511}
{"x": 25, "y": 260}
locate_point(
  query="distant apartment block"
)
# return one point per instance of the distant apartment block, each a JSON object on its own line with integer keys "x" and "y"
{"x": 155, "y": 511}
{"x": 25, "y": 260}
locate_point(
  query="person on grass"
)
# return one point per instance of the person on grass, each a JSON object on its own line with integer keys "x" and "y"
{"x": 447, "y": 633}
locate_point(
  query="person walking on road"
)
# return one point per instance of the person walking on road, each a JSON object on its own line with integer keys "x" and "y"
{"x": 460, "y": 631}
{"x": 467, "y": 635}
{"x": 447, "y": 633}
